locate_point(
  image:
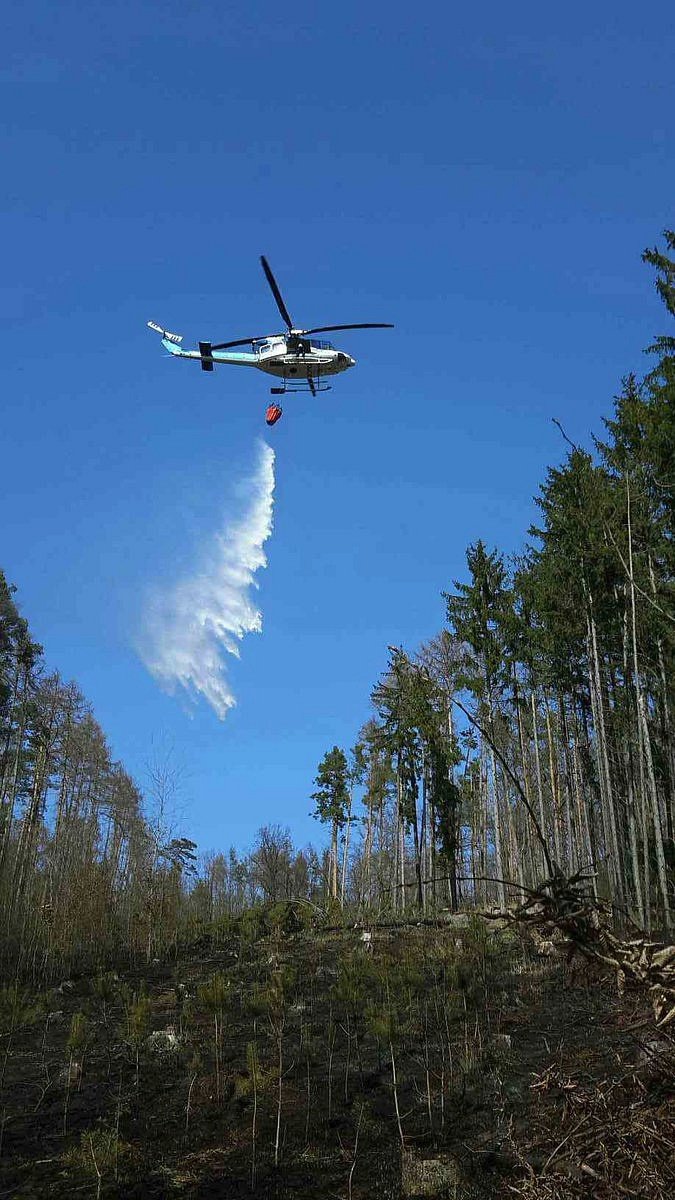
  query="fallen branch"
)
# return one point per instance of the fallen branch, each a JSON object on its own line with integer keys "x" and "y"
{"x": 565, "y": 904}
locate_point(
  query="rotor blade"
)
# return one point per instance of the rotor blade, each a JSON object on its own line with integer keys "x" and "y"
{"x": 328, "y": 328}
{"x": 275, "y": 291}
{"x": 246, "y": 341}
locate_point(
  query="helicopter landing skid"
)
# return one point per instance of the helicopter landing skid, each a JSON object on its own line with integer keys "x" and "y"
{"x": 301, "y": 385}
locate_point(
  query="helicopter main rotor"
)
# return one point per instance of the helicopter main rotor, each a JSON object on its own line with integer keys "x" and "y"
{"x": 295, "y": 338}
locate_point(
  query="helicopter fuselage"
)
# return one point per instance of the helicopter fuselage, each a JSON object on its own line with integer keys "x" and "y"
{"x": 311, "y": 360}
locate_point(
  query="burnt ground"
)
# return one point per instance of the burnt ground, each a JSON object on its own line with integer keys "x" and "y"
{"x": 516, "y": 1075}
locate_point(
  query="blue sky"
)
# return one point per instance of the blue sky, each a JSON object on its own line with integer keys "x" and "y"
{"x": 483, "y": 176}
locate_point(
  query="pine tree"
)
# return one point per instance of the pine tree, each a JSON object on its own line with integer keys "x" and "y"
{"x": 332, "y": 800}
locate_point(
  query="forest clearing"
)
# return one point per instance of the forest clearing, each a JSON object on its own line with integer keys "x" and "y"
{"x": 461, "y": 1061}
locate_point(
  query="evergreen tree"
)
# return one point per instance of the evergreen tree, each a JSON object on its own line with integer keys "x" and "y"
{"x": 332, "y": 801}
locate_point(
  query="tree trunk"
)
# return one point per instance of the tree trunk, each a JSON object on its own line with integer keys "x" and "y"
{"x": 499, "y": 863}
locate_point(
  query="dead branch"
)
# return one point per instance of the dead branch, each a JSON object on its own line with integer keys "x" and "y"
{"x": 566, "y": 905}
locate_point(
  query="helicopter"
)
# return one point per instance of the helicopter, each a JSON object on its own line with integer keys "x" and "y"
{"x": 294, "y": 356}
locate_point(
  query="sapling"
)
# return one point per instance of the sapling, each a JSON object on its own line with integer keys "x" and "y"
{"x": 17, "y": 1007}
{"x": 193, "y": 1080}
{"x": 137, "y": 1022}
{"x": 392, "y": 1032}
{"x": 118, "y": 1114}
{"x": 76, "y": 1043}
{"x": 99, "y": 1177}
{"x": 105, "y": 989}
{"x": 310, "y": 1055}
{"x": 443, "y": 1032}
{"x": 183, "y": 1007}
{"x": 276, "y": 1012}
{"x": 350, "y": 991}
{"x": 48, "y": 1017}
{"x": 356, "y": 1146}
{"x": 395, "y": 1084}
{"x": 213, "y": 996}
{"x": 427, "y": 1067}
{"x": 44, "y": 1089}
{"x": 332, "y": 1031}
{"x": 195, "y": 1066}
{"x": 382, "y": 1024}
{"x": 255, "y": 1073}
{"x": 348, "y": 1034}
{"x": 96, "y": 1154}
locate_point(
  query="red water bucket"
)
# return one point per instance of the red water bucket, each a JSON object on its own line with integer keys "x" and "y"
{"x": 273, "y": 414}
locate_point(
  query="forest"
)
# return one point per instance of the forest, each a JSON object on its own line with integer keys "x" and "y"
{"x": 530, "y": 740}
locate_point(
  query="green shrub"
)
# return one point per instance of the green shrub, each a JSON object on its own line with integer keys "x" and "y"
{"x": 19, "y": 1006}
{"x": 99, "y": 1152}
{"x": 250, "y": 926}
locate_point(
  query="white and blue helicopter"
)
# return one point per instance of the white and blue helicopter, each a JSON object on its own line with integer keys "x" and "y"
{"x": 296, "y": 358}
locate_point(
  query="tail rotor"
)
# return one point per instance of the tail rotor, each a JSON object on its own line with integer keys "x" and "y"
{"x": 176, "y": 338}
